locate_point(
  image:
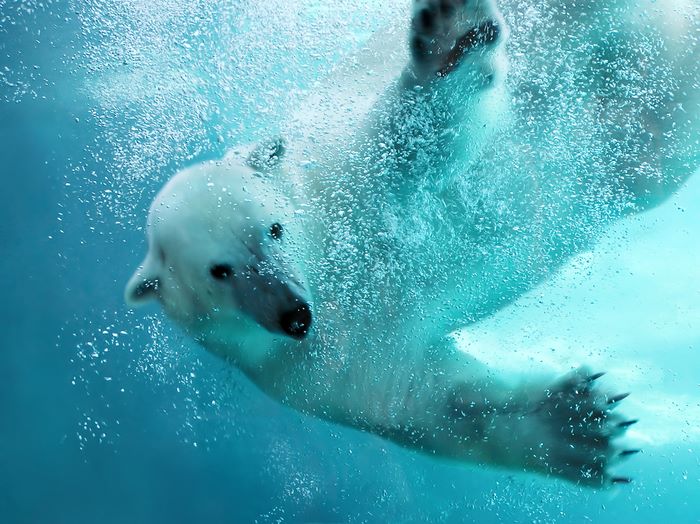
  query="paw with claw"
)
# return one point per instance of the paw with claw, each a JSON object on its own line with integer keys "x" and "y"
{"x": 445, "y": 32}
{"x": 581, "y": 430}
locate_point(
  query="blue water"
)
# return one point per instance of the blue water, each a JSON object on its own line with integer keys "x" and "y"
{"x": 114, "y": 416}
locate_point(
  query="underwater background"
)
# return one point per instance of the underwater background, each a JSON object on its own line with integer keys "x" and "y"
{"x": 112, "y": 416}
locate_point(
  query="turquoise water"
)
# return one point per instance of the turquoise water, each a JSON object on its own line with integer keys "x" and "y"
{"x": 114, "y": 416}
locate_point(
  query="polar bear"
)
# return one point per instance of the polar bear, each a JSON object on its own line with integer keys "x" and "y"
{"x": 332, "y": 268}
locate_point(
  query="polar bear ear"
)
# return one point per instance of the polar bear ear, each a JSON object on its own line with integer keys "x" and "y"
{"x": 262, "y": 156}
{"x": 267, "y": 154}
{"x": 143, "y": 284}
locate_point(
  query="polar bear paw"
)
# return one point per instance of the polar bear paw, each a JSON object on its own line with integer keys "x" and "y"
{"x": 581, "y": 431}
{"x": 445, "y": 32}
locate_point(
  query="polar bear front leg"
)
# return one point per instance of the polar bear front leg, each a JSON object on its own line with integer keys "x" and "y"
{"x": 446, "y": 34}
{"x": 447, "y": 102}
{"x": 568, "y": 429}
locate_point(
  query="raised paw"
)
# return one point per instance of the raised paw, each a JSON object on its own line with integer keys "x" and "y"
{"x": 581, "y": 431}
{"x": 445, "y": 32}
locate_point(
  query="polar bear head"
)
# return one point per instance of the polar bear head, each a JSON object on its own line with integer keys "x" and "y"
{"x": 222, "y": 258}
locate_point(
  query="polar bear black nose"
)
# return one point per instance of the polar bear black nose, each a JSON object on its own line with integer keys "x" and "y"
{"x": 296, "y": 323}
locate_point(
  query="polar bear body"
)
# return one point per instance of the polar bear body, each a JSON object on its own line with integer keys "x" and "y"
{"x": 332, "y": 268}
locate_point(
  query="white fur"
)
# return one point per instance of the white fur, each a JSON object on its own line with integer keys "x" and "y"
{"x": 423, "y": 207}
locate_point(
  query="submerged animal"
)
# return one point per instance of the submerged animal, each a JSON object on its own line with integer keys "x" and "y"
{"x": 332, "y": 265}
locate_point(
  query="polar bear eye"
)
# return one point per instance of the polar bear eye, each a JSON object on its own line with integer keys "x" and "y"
{"x": 276, "y": 231}
{"x": 221, "y": 271}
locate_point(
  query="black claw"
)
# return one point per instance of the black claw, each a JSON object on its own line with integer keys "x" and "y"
{"x": 621, "y": 480}
{"x": 628, "y": 452}
{"x": 595, "y": 376}
{"x": 617, "y": 398}
{"x": 628, "y": 423}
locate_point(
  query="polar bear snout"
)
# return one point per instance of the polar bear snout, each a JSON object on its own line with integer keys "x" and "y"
{"x": 267, "y": 288}
{"x": 284, "y": 306}
{"x": 296, "y": 323}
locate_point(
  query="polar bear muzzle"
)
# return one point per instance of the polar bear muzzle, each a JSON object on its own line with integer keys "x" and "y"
{"x": 282, "y": 308}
